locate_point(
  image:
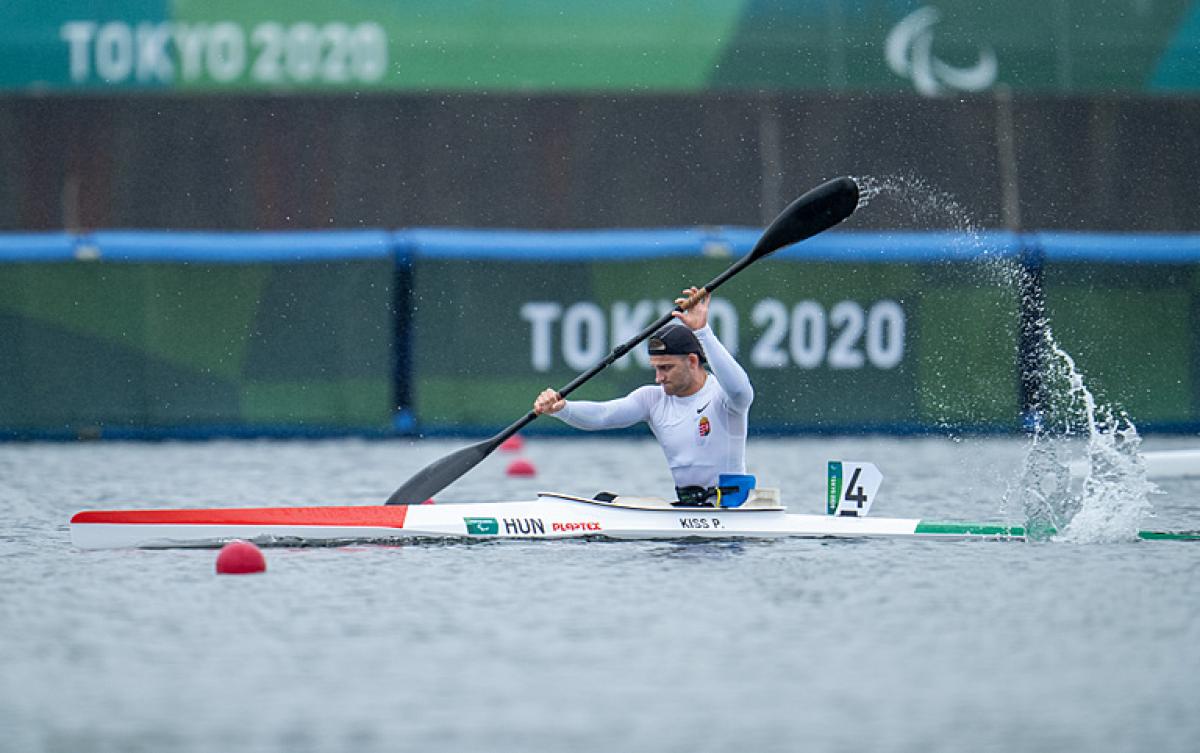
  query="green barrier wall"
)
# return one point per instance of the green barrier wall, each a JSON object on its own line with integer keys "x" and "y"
{"x": 176, "y": 347}
{"x": 133, "y": 334}
{"x": 620, "y": 45}
{"x": 1133, "y": 330}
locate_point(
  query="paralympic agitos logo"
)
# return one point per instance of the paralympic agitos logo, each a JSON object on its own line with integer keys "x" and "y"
{"x": 909, "y": 53}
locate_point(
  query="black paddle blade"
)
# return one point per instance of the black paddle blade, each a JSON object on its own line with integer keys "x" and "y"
{"x": 441, "y": 473}
{"x": 814, "y": 212}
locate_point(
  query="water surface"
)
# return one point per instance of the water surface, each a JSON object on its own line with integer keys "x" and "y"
{"x": 587, "y": 646}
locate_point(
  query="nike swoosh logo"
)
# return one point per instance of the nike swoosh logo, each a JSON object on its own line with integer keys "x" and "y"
{"x": 702, "y": 407}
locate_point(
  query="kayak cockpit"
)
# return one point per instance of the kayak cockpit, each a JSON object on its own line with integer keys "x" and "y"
{"x": 757, "y": 501}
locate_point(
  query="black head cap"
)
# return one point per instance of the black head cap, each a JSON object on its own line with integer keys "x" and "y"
{"x": 675, "y": 340}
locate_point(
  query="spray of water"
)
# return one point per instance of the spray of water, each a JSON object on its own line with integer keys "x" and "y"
{"x": 1110, "y": 494}
{"x": 919, "y": 199}
{"x": 1069, "y": 430}
{"x": 923, "y": 204}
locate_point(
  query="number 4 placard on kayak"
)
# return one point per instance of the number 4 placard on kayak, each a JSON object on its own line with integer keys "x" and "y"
{"x": 851, "y": 488}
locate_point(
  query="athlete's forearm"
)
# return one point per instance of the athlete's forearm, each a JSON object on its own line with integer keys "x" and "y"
{"x": 733, "y": 378}
{"x": 611, "y": 414}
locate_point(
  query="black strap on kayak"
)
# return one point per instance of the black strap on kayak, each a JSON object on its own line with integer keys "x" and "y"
{"x": 694, "y": 496}
{"x": 701, "y": 496}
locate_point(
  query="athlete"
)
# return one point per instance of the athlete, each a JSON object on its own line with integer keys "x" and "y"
{"x": 699, "y": 418}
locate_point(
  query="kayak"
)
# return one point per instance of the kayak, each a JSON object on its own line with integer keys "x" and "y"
{"x": 550, "y": 516}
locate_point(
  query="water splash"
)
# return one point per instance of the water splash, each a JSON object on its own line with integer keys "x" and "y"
{"x": 1113, "y": 496}
{"x": 1069, "y": 428}
{"x": 923, "y": 205}
{"x": 918, "y": 197}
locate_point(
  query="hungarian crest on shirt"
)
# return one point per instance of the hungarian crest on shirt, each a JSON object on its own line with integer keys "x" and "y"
{"x": 705, "y": 426}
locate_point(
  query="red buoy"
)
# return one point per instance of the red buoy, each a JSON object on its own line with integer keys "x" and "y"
{"x": 521, "y": 468}
{"x": 513, "y": 444}
{"x": 240, "y": 557}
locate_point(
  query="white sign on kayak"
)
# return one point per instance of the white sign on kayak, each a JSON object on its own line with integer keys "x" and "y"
{"x": 851, "y": 488}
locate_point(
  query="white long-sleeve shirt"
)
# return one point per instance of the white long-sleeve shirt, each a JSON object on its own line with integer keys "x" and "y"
{"x": 703, "y": 435}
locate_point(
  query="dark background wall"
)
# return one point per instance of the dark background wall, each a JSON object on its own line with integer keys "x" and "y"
{"x": 244, "y": 162}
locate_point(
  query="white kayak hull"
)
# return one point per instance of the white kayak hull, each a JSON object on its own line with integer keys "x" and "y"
{"x": 548, "y": 517}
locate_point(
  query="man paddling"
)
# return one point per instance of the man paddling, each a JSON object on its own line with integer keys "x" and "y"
{"x": 700, "y": 419}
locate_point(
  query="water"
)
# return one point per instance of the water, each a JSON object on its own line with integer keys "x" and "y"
{"x": 1111, "y": 500}
{"x": 914, "y": 199}
{"x": 587, "y": 646}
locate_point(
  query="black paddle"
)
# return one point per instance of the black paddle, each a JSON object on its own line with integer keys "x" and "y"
{"x": 818, "y": 210}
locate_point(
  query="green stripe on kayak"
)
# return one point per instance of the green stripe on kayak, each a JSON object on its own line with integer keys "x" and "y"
{"x": 997, "y": 530}
{"x": 1170, "y": 535}
{"x": 970, "y": 529}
